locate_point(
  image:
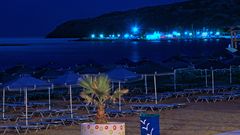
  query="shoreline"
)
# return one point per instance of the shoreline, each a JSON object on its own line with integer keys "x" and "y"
{"x": 144, "y": 40}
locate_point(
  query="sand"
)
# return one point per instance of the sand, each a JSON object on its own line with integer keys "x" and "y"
{"x": 194, "y": 119}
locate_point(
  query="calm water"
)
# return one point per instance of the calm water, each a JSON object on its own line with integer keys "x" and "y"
{"x": 41, "y": 51}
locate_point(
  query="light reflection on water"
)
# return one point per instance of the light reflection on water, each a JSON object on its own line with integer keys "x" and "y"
{"x": 41, "y": 51}
{"x": 135, "y": 56}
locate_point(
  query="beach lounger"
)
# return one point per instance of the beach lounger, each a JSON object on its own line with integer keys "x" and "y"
{"x": 55, "y": 120}
{"x": 9, "y": 128}
{"x": 28, "y": 128}
{"x": 64, "y": 120}
{"x": 43, "y": 112}
{"x": 38, "y": 104}
{"x": 66, "y": 98}
{"x": 16, "y": 106}
{"x": 182, "y": 94}
{"x": 152, "y": 107}
{"x": 84, "y": 107}
{"x": 160, "y": 97}
{"x": 139, "y": 99}
{"x": 120, "y": 113}
{"x": 40, "y": 124}
{"x": 209, "y": 99}
{"x": 198, "y": 90}
{"x": 13, "y": 98}
{"x": 231, "y": 95}
{"x": 8, "y": 118}
{"x": 77, "y": 120}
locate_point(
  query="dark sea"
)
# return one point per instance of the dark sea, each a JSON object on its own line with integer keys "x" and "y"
{"x": 66, "y": 52}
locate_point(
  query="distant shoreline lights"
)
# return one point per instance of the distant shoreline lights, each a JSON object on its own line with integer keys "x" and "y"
{"x": 136, "y": 34}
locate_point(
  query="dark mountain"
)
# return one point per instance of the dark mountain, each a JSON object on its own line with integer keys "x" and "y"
{"x": 190, "y": 14}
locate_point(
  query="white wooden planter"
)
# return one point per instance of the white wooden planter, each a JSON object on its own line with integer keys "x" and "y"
{"x": 111, "y": 128}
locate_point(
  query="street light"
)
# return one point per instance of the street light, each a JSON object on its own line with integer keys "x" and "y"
{"x": 93, "y": 36}
{"x": 135, "y": 29}
{"x": 101, "y": 36}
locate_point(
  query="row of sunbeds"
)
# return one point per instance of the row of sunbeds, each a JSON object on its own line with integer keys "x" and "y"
{"x": 43, "y": 124}
{"x": 61, "y": 117}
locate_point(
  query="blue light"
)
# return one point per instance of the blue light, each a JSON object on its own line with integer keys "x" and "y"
{"x": 175, "y": 33}
{"x": 154, "y": 36}
{"x": 211, "y": 32}
{"x": 198, "y": 33}
{"x": 204, "y": 34}
{"x": 190, "y": 34}
{"x": 93, "y": 36}
{"x": 118, "y": 35}
{"x": 169, "y": 36}
{"x": 113, "y": 36}
{"x": 217, "y": 33}
{"x": 186, "y": 33}
{"x": 101, "y": 36}
{"x": 126, "y": 35}
{"x": 135, "y": 29}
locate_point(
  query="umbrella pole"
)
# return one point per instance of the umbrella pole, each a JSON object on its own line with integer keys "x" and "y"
{"x": 155, "y": 87}
{"x": 70, "y": 92}
{"x": 213, "y": 82}
{"x": 49, "y": 98}
{"x": 230, "y": 74}
{"x": 174, "y": 77}
{"x": 26, "y": 107}
{"x": 3, "y": 110}
{"x": 119, "y": 103}
{"x": 206, "y": 78}
{"x": 146, "y": 85}
{"x": 52, "y": 87}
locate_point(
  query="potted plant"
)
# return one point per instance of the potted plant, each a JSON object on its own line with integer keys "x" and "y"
{"x": 98, "y": 91}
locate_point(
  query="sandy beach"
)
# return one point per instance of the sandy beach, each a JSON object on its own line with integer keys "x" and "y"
{"x": 194, "y": 119}
{"x": 117, "y": 67}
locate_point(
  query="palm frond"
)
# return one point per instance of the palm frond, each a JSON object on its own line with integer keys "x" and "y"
{"x": 97, "y": 90}
{"x": 118, "y": 93}
{"x": 87, "y": 98}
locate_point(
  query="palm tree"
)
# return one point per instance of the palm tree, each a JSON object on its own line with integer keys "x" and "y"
{"x": 97, "y": 91}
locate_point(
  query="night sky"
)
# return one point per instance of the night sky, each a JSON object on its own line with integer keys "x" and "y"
{"x": 35, "y": 18}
